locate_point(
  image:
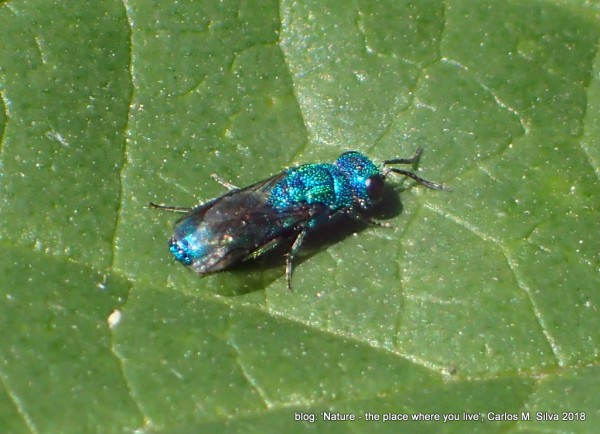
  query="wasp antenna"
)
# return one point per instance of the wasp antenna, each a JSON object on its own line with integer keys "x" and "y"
{"x": 410, "y": 160}
{"x": 422, "y": 181}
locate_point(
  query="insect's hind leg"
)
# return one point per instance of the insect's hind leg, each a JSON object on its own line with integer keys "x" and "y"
{"x": 290, "y": 257}
{"x": 226, "y": 184}
{"x": 181, "y": 209}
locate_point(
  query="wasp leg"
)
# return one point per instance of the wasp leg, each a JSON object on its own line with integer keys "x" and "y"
{"x": 364, "y": 219}
{"x": 290, "y": 257}
{"x": 182, "y": 209}
{"x": 264, "y": 249}
{"x": 224, "y": 183}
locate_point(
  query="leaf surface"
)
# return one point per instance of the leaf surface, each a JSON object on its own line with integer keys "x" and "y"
{"x": 479, "y": 303}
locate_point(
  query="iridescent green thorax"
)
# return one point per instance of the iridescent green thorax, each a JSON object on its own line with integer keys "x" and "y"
{"x": 312, "y": 183}
{"x": 341, "y": 186}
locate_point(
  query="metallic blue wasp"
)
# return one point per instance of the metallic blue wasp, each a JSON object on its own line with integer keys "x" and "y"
{"x": 246, "y": 222}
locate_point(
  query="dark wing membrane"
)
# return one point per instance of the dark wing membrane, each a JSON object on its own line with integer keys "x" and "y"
{"x": 262, "y": 187}
{"x": 242, "y": 224}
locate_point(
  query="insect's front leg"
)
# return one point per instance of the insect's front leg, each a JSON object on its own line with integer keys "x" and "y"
{"x": 290, "y": 257}
{"x": 364, "y": 219}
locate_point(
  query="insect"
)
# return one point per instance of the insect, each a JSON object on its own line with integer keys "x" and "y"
{"x": 246, "y": 222}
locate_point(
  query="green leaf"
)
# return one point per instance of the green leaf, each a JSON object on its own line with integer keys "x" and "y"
{"x": 479, "y": 303}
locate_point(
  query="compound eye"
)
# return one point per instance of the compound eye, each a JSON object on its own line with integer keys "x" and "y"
{"x": 374, "y": 186}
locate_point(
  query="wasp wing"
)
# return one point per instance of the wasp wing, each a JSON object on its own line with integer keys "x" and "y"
{"x": 240, "y": 224}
